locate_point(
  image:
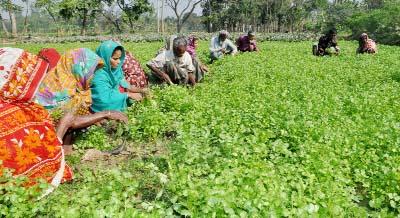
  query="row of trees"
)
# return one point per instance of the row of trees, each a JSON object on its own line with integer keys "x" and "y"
{"x": 378, "y": 16}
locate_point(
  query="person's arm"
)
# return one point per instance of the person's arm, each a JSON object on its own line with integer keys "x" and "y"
{"x": 231, "y": 46}
{"x": 105, "y": 96}
{"x": 214, "y": 47}
{"x": 321, "y": 45}
{"x": 238, "y": 42}
{"x": 160, "y": 73}
{"x": 191, "y": 78}
{"x": 134, "y": 89}
{"x": 75, "y": 122}
{"x": 255, "y": 46}
{"x": 203, "y": 66}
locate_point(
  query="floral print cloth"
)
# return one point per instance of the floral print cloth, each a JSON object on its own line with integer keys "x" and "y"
{"x": 28, "y": 141}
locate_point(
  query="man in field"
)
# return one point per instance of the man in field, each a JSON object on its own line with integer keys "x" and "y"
{"x": 247, "y": 43}
{"x": 173, "y": 66}
{"x": 327, "y": 44}
{"x": 220, "y": 45}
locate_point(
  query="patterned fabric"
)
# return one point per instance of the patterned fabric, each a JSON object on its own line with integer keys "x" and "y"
{"x": 133, "y": 72}
{"x": 366, "y": 45}
{"x": 68, "y": 84}
{"x": 28, "y": 141}
{"x": 191, "y": 47}
{"x": 51, "y": 55}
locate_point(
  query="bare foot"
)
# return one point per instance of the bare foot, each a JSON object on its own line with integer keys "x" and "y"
{"x": 68, "y": 149}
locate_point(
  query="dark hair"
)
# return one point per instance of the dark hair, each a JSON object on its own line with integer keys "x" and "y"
{"x": 250, "y": 33}
{"x": 332, "y": 31}
{"x": 116, "y": 49}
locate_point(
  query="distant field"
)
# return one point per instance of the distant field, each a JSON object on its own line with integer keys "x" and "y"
{"x": 276, "y": 134}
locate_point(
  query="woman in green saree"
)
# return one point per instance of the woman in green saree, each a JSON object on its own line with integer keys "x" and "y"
{"x": 109, "y": 89}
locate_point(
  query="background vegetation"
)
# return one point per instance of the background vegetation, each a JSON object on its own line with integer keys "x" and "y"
{"x": 31, "y": 18}
{"x": 293, "y": 135}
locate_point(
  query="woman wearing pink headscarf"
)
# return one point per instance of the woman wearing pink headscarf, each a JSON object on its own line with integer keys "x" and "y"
{"x": 366, "y": 45}
{"x": 200, "y": 68}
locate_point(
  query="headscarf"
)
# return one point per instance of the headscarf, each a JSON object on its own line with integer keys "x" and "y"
{"x": 133, "y": 72}
{"x": 105, "y": 51}
{"x": 223, "y": 33}
{"x": 51, "y": 55}
{"x": 108, "y": 84}
{"x": 68, "y": 84}
{"x": 20, "y": 74}
{"x": 28, "y": 142}
{"x": 190, "y": 47}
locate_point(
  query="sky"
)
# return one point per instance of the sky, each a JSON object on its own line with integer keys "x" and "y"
{"x": 167, "y": 10}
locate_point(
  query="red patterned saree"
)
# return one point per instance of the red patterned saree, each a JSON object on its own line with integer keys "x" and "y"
{"x": 28, "y": 142}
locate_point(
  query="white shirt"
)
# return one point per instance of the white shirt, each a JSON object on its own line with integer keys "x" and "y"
{"x": 216, "y": 45}
{"x": 183, "y": 63}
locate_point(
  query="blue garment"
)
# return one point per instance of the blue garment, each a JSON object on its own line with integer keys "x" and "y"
{"x": 106, "y": 83}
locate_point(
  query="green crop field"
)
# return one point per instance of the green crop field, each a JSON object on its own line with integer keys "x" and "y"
{"x": 281, "y": 133}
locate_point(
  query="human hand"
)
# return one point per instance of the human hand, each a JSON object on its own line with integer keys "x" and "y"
{"x": 146, "y": 92}
{"x": 204, "y": 68}
{"x": 167, "y": 78}
{"x": 135, "y": 96}
{"x": 118, "y": 116}
{"x": 222, "y": 50}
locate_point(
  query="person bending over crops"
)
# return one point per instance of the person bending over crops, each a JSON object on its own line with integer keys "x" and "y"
{"x": 65, "y": 92}
{"x": 173, "y": 66}
{"x": 29, "y": 143}
{"x": 247, "y": 42}
{"x": 200, "y": 68}
{"x": 327, "y": 44}
{"x": 110, "y": 91}
{"x": 133, "y": 72}
{"x": 220, "y": 45}
{"x": 366, "y": 45}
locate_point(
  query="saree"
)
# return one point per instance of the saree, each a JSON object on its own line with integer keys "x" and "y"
{"x": 108, "y": 83}
{"x": 133, "y": 72}
{"x": 28, "y": 141}
{"x": 67, "y": 85}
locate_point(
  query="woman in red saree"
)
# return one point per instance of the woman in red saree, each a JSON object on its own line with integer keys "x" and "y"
{"x": 28, "y": 141}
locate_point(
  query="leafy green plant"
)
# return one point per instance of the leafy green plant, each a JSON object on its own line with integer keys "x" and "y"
{"x": 280, "y": 133}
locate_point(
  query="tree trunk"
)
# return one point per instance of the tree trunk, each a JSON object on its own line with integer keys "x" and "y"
{"x": 279, "y": 23}
{"x": 84, "y": 21}
{"x": 3, "y": 24}
{"x": 162, "y": 16}
{"x": 26, "y": 17}
{"x": 13, "y": 23}
{"x": 178, "y": 27}
{"x": 131, "y": 25}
